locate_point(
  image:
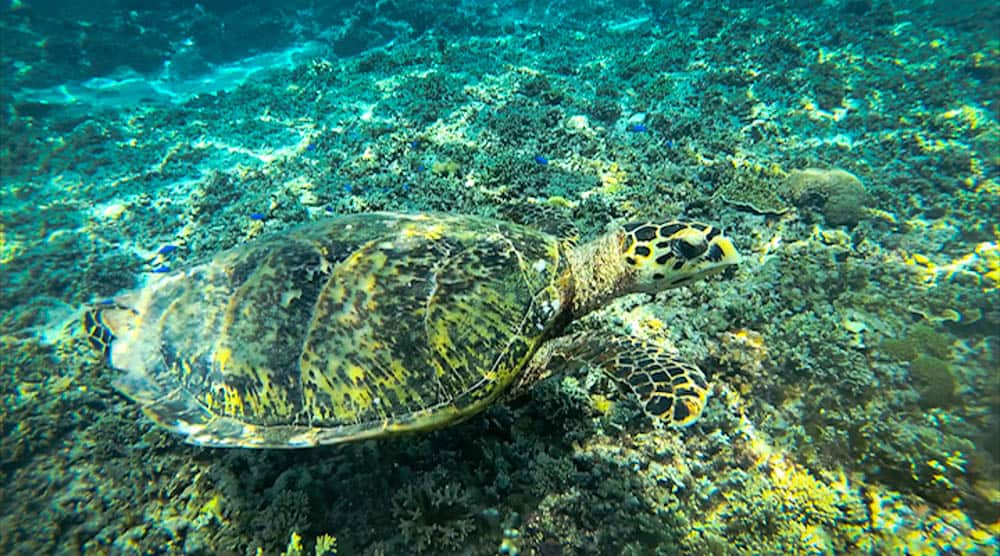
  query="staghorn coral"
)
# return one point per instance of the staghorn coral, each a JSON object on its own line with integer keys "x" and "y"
{"x": 286, "y": 512}
{"x": 434, "y": 514}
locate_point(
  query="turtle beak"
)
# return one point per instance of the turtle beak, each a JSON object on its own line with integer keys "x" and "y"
{"x": 722, "y": 252}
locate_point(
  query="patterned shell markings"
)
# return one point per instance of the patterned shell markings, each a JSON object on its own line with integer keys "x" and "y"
{"x": 378, "y": 319}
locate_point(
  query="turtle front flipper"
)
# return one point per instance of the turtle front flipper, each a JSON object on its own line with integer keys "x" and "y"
{"x": 98, "y": 333}
{"x": 102, "y": 323}
{"x": 670, "y": 391}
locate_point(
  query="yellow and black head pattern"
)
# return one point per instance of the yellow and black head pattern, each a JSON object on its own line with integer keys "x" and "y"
{"x": 672, "y": 254}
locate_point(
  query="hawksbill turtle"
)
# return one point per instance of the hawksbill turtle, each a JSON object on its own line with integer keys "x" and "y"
{"x": 375, "y": 324}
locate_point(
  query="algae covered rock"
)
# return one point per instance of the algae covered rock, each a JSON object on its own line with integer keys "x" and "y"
{"x": 839, "y": 193}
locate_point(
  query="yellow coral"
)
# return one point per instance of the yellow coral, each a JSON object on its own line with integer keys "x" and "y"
{"x": 612, "y": 177}
{"x": 212, "y": 508}
{"x": 824, "y": 514}
{"x": 982, "y": 265}
{"x": 744, "y": 348}
{"x": 447, "y": 168}
{"x": 906, "y": 527}
{"x": 326, "y": 545}
{"x": 255, "y": 229}
{"x": 989, "y": 255}
{"x": 967, "y": 116}
{"x": 8, "y": 250}
{"x": 294, "y": 545}
{"x": 601, "y": 403}
{"x": 754, "y": 185}
{"x": 815, "y": 541}
{"x": 805, "y": 496}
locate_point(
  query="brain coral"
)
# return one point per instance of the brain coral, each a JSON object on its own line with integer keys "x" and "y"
{"x": 839, "y": 192}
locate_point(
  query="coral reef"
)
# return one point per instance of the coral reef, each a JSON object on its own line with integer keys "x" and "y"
{"x": 849, "y": 147}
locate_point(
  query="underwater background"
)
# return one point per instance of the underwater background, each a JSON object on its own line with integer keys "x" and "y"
{"x": 851, "y": 148}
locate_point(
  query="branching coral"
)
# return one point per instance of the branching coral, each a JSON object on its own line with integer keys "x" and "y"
{"x": 288, "y": 512}
{"x": 434, "y": 514}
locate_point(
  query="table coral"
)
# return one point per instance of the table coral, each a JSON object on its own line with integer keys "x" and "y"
{"x": 752, "y": 185}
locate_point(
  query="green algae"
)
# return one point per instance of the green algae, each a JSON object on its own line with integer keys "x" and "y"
{"x": 927, "y": 352}
{"x": 932, "y": 342}
{"x": 900, "y": 349}
{"x": 934, "y": 380}
{"x": 919, "y": 339}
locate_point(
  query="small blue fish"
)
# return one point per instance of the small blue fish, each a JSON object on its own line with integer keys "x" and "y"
{"x": 637, "y": 128}
{"x": 161, "y": 269}
{"x": 256, "y": 216}
{"x": 348, "y": 188}
{"x": 541, "y": 160}
{"x": 421, "y": 167}
{"x": 311, "y": 147}
{"x": 167, "y": 249}
{"x": 329, "y": 209}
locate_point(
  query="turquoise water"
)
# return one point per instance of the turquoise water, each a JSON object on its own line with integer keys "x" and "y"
{"x": 848, "y": 148}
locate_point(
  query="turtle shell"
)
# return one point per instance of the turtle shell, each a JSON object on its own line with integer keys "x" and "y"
{"x": 347, "y": 328}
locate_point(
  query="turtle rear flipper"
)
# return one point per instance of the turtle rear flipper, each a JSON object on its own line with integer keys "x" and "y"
{"x": 670, "y": 391}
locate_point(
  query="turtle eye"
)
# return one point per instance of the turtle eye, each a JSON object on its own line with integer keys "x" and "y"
{"x": 687, "y": 250}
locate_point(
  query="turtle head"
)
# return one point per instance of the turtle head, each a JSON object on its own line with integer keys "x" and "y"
{"x": 102, "y": 322}
{"x": 671, "y": 254}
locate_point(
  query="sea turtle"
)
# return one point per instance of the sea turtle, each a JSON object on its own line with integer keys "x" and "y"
{"x": 374, "y": 324}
